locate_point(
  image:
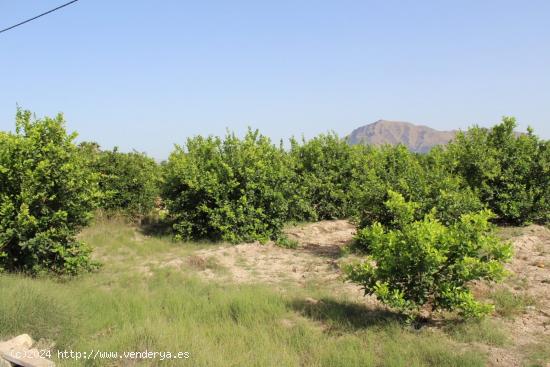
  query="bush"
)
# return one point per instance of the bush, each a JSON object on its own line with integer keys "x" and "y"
{"x": 46, "y": 194}
{"x": 510, "y": 172}
{"x": 423, "y": 179}
{"x": 129, "y": 182}
{"x": 328, "y": 171}
{"x": 424, "y": 263}
{"x": 231, "y": 189}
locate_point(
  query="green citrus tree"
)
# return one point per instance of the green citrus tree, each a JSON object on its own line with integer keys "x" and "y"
{"x": 128, "y": 182}
{"x": 510, "y": 172}
{"x": 423, "y": 179}
{"x": 425, "y": 264}
{"x": 46, "y": 194}
{"x": 228, "y": 189}
{"x": 329, "y": 172}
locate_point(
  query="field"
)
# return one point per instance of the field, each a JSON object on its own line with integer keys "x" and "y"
{"x": 213, "y": 196}
{"x": 263, "y": 305}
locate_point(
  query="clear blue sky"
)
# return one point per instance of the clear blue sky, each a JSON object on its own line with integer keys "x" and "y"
{"x": 148, "y": 74}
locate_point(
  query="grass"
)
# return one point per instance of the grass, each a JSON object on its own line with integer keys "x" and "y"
{"x": 285, "y": 242}
{"x": 484, "y": 331}
{"x": 123, "y": 308}
{"x": 538, "y": 353}
{"x": 509, "y": 304}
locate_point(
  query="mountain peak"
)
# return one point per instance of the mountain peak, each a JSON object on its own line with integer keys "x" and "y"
{"x": 417, "y": 138}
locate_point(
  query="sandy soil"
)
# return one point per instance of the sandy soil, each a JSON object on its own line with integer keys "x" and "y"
{"x": 317, "y": 259}
{"x": 530, "y": 276}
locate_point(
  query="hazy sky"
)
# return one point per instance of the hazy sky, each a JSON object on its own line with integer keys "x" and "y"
{"x": 148, "y": 74}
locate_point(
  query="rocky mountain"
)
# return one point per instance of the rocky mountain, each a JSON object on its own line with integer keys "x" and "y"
{"x": 416, "y": 137}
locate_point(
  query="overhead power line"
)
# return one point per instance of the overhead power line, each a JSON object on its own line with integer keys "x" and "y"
{"x": 38, "y": 16}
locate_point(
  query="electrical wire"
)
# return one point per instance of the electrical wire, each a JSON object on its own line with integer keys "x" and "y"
{"x": 38, "y": 16}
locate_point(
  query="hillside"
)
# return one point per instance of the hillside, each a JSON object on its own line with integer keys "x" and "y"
{"x": 416, "y": 137}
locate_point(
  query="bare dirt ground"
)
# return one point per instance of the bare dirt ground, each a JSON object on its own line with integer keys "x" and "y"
{"x": 530, "y": 268}
{"x": 530, "y": 278}
{"x": 315, "y": 260}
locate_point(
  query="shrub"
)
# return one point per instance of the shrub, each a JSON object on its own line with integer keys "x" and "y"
{"x": 231, "y": 189}
{"x": 328, "y": 170}
{"x": 510, "y": 172}
{"x": 424, "y": 263}
{"x": 46, "y": 194}
{"x": 129, "y": 182}
{"x": 423, "y": 179}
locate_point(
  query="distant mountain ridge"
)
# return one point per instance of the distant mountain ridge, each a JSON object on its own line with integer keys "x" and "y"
{"x": 417, "y": 138}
